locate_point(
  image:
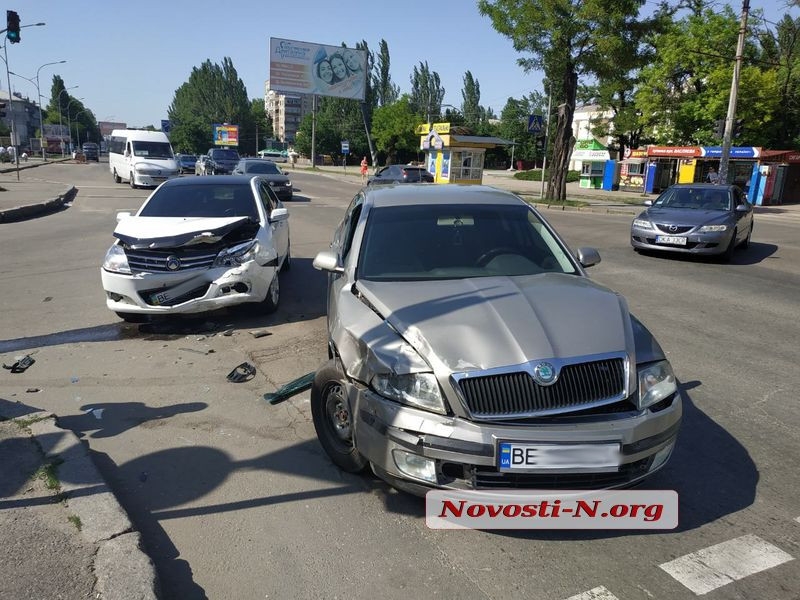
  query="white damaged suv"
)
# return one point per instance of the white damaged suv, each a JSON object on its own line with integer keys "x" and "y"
{"x": 196, "y": 245}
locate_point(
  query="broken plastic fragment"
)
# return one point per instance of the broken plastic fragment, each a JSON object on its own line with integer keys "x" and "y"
{"x": 290, "y": 389}
{"x": 20, "y": 365}
{"x": 244, "y": 372}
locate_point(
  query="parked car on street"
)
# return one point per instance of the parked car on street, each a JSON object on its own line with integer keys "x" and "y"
{"x": 400, "y": 174}
{"x": 186, "y": 162}
{"x": 695, "y": 218}
{"x": 470, "y": 350}
{"x": 220, "y": 161}
{"x": 197, "y": 245}
{"x": 91, "y": 151}
{"x": 270, "y": 172}
{"x": 278, "y": 156}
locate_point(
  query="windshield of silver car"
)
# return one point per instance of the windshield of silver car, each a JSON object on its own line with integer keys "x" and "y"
{"x": 694, "y": 198}
{"x": 426, "y": 242}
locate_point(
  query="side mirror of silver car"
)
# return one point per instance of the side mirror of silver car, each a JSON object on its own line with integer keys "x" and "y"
{"x": 328, "y": 261}
{"x": 588, "y": 257}
{"x": 279, "y": 214}
{"x": 648, "y": 203}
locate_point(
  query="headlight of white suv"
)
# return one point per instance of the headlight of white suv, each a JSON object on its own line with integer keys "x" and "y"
{"x": 714, "y": 228}
{"x": 420, "y": 390}
{"x": 656, "y": 382}
{"x": 642, "y": 224}
{"x": 237, "y": 255}
{"x": 116, "y": 260}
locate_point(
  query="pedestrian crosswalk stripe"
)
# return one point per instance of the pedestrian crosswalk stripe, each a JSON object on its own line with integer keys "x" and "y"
{"x": 598, "y": 593}
{"x": 708, "y": 569}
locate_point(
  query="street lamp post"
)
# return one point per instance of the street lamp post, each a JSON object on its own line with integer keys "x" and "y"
{"x": 39, "y": 96}
{"x": 78, "y": 131}
{"x": 11, "y": 96}
{"x": 60, "y": 122}
{"x": 69, "y": 119}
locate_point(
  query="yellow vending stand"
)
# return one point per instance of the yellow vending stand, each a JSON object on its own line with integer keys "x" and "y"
{"x": 453, "y": 155}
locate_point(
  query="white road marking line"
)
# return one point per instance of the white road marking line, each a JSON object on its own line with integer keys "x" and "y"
{"x": 724, "y": 563}
{"x": 797, "y": 519}
{"x": 598, "y": 593}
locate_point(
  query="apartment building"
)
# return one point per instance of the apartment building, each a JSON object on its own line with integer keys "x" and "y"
{"x": 286, "y": 111}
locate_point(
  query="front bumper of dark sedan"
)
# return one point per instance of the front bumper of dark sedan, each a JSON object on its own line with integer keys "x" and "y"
{"x": 700, "y": 243}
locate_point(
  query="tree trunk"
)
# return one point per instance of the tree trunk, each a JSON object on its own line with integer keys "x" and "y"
{"x": 564, "y": 141}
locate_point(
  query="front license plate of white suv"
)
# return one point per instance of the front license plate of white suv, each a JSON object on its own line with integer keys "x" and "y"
{"x": 513, "y": 457}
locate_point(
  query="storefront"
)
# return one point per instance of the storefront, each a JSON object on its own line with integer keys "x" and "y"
{"x": 452, "y": 156}
{"x": 632, "y": 171}
{"x": 669, "y": 164}
{"x": 777, "y": 178}
{"x": 590, "y": 158}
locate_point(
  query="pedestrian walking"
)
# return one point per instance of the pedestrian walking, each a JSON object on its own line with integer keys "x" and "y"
{"x": 364, "y": 169}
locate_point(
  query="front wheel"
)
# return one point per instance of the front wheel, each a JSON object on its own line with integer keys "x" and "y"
{"x": 270, "y": 304}
{"x": 333, "y": 420}
{"x": 727, "y": 256}
{"x": 117, "y": 178}
{"x": 132, "y": 182}
{"x": 746, "y": 242}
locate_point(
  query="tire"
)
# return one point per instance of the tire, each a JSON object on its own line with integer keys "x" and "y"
{"x": 727, "y": 256}
{"x": 133, "y": 317}
{"x": 273, "y": 299}
{"x": 287, "y": 262}
{"x": 117, "y": 178}
{"x": 746, "y": 242}
{"x": 330, "y": 411}
{"x": 132, "y": 182}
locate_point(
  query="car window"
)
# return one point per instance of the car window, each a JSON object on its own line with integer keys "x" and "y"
{"x": 266, "y": 168}
{"x": 152, "y": 149}
{"x": 349, "y": 224}
{"x": 223, "y": 200}
{"x": 448, "y": 242}
{"x": 268, "y": 198}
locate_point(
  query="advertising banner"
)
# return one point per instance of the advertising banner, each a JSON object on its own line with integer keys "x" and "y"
{"x": 55, "y": 130}
{"x": 226, "y": 135}
{"x": 310, "y": 68}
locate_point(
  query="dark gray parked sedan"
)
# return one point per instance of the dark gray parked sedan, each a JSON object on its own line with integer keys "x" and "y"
{"x": 695, "y": 218}
{"x": 269, "y": 172}
{"x": 469, "y": 350}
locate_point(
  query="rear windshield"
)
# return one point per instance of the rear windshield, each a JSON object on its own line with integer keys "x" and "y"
{"x": 264, "y": 168}
{"x": 224, "y": 155}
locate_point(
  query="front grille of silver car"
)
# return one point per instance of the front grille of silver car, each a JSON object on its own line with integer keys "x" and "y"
{"x": 674, "y": 229}
{"x": 516, "y": 394}
{"x": 155, "y": 261}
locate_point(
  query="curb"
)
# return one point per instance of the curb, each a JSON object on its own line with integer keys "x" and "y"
{"x": 21, "y": 213}
{"x": 122, "y": 569}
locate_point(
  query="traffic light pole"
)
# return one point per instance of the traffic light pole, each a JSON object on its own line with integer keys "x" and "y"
{"x": 730, "y": 120}
{"x": 11, "y": 107}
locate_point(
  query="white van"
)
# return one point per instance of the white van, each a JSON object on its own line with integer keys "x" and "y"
{"x": 273, "y": 155}
{"x": 142, "y": 158}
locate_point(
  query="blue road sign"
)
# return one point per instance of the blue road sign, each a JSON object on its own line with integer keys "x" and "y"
{"x": 166, "y": 125}
{"x": 536, "y": 124}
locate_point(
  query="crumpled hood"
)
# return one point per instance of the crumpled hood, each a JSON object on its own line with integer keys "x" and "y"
{"x": 171, "y": 232}
{"x": 483, "y": 323}
{"x": 692, "y": 217}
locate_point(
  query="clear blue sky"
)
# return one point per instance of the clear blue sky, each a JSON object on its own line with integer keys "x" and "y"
{"x": 128, "y": 58}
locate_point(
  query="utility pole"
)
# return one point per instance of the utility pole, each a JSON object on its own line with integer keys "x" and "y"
{"x": 731, "y": 117}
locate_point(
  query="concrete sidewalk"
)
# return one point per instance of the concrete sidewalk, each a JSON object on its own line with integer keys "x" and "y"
{"x": 31, "y": 195}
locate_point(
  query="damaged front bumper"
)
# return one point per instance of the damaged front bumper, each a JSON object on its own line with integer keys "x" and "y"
{"x": 188, "y": 291}
{"x": 416, "y": 450}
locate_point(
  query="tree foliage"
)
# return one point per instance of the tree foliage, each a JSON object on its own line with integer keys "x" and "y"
{"x": 83, "y": 124}
{"x": 427, "y": 92}
{"x": 393, "y": 128}
{"x": 386, "y": 91}
{"x": 471, "y": 101}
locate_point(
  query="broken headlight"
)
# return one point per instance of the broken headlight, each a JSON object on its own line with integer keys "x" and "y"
{"x": 237, "y": 255}
{"x": 656, "y": 383}
{"x": 420, "y": 390}
{"x": 116, "y": 261}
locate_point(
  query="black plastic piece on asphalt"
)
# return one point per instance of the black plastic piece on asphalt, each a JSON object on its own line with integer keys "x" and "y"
{"x": 244, "y": 372}
{"x": 21, "y": 364}
{"x": 290, "y": 389}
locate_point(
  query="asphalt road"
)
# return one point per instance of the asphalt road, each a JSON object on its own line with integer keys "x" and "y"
{"x": 236, "y": 499}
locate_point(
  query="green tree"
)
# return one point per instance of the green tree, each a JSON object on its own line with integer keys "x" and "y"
{"x": 427, "y": 92}
{"x": 514, "y": 125}
{"x": 471, "y": 101}
{"x": 213, "y": 94}
{"x": 261, "y": 122}
{"x": 566, "y": 39}
{"x": 386, "y": 91}
{"x": 393, "y": 128}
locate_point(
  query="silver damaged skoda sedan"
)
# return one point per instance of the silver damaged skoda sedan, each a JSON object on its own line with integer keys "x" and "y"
{"x": 469, "y": 350}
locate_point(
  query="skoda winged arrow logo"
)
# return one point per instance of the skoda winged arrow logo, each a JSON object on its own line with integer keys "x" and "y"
{"x": 544, "y": 373}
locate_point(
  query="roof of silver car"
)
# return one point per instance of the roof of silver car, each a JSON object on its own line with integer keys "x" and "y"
{"x": 430, "y": 193}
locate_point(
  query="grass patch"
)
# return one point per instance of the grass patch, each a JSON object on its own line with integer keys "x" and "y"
{"x": 25, "y": 423}
{"x": 49, "y": 474}
{"x": 75, "y": 521}
{"x": 536, "y": 175}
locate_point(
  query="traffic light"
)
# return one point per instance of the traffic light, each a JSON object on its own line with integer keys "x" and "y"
{"x": 738, "y": 127}
{"x": 720, "y": 131}
{"x": 2, "y": 109}
{"x": 12, "y": 27}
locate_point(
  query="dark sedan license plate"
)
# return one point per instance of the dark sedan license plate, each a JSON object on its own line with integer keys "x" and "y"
{"x": 598, "y": 457}
{"x": 675, "y": 240}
